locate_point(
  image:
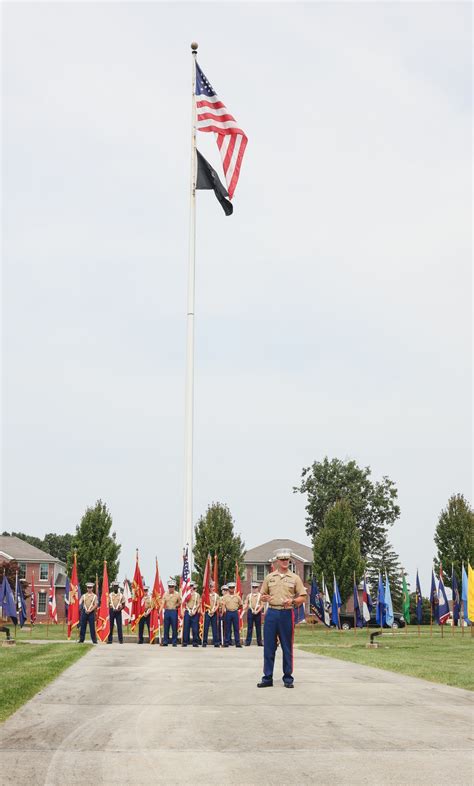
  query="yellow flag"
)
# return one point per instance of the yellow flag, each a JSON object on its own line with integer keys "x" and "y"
{"x": 470, "y": 593}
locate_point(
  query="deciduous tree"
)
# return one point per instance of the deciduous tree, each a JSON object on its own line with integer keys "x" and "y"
{"x": 373, "y": 503}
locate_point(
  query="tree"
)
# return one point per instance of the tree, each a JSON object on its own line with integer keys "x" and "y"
{"x": 214, "y": 534}
{"x": 372, "y": 503}
{"x": 337, "y": 548}
{"x": 454, "y": 537}
{"x": 10, "y": 569}
{"x": 58, "y": 546}
{"x": 31, "y": 539}
{"x": 386, "y": 559}
{"x": 94, "y": 543}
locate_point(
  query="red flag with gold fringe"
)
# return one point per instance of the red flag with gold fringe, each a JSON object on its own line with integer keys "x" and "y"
{"x": 138, "y": 603}
{"x": 73, "y": 609}
{"x": 155, "y": 614}
{"x": 238, "y": 591}
{"x": 103, "y": 615}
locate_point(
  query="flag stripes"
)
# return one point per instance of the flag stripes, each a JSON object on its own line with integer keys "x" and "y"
{"x": 212, "y": 116}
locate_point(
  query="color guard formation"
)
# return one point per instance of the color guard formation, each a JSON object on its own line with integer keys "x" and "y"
{"x": 185, "y": 616}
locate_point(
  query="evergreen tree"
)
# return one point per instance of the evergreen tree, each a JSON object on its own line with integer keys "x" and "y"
{"x": 385, "y": 559}
{"x": 94, "y": 542}
{"x": 372, "y": 503}
{"x": 337, "y": 549}
{"x": 214, "y": 534}
{"x": 454, "y": 537}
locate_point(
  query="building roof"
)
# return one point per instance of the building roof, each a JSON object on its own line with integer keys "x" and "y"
{"x": 18, "y": 549}
{"x": 265, "y": 552}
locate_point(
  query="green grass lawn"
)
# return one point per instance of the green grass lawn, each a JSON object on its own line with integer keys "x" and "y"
{"x": 26, "y": 668}
{"x": 448, "y": 660}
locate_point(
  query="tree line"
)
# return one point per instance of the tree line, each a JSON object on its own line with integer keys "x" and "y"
{"x": 348, "y": 516}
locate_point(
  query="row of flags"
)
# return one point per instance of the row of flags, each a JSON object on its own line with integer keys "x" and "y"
{"x": 328, "y": 609}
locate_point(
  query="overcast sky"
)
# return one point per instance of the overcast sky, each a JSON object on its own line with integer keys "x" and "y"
{"x": 332, "y": 309}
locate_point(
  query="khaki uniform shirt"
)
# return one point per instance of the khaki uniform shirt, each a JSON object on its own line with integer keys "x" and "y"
{"x": 89, "y": 601}
{"x": 147, "y": 605}
{"x": 282, "y": 586}
{"x": 193, "y": 603}
{"x": 171, "y": 600}
{"x": 115, "y": 600}
{"x": 253, "y": 600}
{"x": 214, "y": 603}
{"x": 231, "y": 602}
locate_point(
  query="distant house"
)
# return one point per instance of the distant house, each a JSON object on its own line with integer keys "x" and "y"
{"x": 258, "y": 562}
{"x": 33, "y": 561}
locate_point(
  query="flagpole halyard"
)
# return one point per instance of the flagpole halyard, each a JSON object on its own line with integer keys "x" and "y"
{"x": 189, "y": 384}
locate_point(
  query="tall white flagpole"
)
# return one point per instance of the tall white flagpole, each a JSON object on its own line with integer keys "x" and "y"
{"x": 189, "y": 391}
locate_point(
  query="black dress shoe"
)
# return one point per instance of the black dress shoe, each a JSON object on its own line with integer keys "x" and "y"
{"x": 260, "y": 644}
{"x": 264, "y": 684}
{"x": 226, "y": 645}
{"x": 247, "y": 645}
{"x": 239, "y": 646}
{"x": 204, "y": 645}
{"x": 288, "y": 685}
{"x": 174, "y": 645}
{"x": 195, "y": 645}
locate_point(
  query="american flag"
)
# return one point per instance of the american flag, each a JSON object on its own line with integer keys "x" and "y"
{"x": 213, "y": 115}
{"x": 184, "y": 587}
{"x": 53, "y": 614}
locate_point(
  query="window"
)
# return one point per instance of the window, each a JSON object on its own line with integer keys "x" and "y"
{"x": 22, "y": 570}
{"x": 44, "y": 571}
{"x": 259, "y": 572}
{"x": 292, "y": 566}
{"x": 308, "y": 572}
{"x": 41, "y": 602}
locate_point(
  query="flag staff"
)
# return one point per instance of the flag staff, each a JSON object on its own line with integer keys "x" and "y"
{"x": 189, "y": 384}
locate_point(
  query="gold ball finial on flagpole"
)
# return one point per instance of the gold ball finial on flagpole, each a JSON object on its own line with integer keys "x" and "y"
{"x": 194, "y": 46}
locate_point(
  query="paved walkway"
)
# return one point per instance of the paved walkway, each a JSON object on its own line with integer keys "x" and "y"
{"x": 145, "y": 715}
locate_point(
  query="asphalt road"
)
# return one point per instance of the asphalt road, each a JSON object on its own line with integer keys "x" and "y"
{"x": 147, "y": 715}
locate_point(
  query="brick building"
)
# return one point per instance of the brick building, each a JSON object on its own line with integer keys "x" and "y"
{"x": 44, "y": 566}
{"x": 258, "y": 562}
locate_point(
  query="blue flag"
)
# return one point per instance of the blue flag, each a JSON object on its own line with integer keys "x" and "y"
{"x": 388, "y": 603}
{"x": 380, "y": 610}
{"x": 443, "y": 605}
{"x": 67, "y": 589}
{"x": 20, "y": 602}
{"x": 419, "y": 601}
{"x": 464, "y": 595}
{"x": 7, "y": 601}
{"x": 358, "y": 615}
{"x": 316, "y": 603}
{"x": 434, "y": 598}
{"x": 336, "y": 604}
{"x": 456, "y": 598}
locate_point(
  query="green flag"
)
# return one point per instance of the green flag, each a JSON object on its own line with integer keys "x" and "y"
{"x": 405, "y": 601}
